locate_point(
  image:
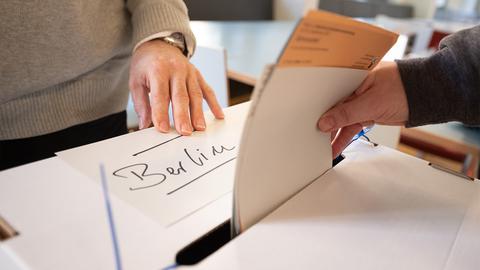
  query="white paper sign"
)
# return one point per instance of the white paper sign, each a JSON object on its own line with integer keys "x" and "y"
{"x": 167, "y": 176}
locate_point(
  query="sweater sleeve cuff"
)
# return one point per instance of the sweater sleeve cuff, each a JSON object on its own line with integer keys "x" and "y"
{"x": 162, "y": 16}
{"x": 428, "y": 85}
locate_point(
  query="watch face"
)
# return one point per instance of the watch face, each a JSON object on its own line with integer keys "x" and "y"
{"x": 177, "y": 39}
{"x": 178, "y": 36}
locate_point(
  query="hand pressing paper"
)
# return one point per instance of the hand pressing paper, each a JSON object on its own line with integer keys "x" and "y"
{"x": 166, "y": 176}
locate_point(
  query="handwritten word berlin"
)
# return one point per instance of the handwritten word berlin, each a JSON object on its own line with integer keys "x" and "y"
{"x": 147, "y": 178}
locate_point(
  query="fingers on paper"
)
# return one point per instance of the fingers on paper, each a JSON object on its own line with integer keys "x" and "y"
{"x": 160, "y": 101}
{"x": 344, "y": 137}
{"x": 185, "y": 88}
{"x": 345, "y": 114}
{"x": 141, "y": 102}
{"x": 196, "y": 100}
{"x": 181, "y": 105}
{"x": 209, "y": 96}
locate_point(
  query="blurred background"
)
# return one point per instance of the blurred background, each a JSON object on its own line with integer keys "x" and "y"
{"x": 253, "y": 33}
{"x": 293, "y": 9}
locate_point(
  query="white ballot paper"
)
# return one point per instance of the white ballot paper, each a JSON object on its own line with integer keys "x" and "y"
{"x": 282, "y": 149}
{"x": 166, "y": 176}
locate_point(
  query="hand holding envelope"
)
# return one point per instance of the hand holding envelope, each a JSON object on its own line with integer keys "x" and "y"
{"x": 282, "y": 150}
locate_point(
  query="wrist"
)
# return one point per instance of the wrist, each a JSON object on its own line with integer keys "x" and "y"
{"x": 176, "y": 40}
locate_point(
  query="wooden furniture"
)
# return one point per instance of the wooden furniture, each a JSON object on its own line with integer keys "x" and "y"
{"x": 450, "y": 145}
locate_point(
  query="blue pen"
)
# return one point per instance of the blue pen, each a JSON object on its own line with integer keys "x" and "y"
{"x": 362, "y": 133}
{"x": 356, "y": 137}
{"x": 106, "y": 196}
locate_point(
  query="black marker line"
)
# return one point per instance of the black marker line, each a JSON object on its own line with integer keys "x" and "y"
{"x": 160, "y": 144}
{"x": 139, "y": 177}
{"x": 177, "y": 189}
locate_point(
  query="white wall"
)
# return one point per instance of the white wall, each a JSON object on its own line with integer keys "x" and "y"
{"x": 292, "y": 9}
{"x": 422, "y": 9}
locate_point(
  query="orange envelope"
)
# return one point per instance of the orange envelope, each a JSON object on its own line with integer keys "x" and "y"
{"x": 329, "y": 40}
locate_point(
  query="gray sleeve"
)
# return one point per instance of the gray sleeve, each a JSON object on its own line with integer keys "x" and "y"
{"x": 445, "y": 86}
{"x": 150, "y": 17}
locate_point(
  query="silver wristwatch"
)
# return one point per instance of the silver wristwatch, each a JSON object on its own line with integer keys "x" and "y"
{"x": 178, "y": 40}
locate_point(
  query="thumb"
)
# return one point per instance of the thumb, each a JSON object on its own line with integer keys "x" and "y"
{"x": 345, "y": 114}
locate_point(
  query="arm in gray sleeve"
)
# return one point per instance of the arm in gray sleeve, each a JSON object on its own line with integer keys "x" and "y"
{"x": 445, "y": 86}
{"x": 153, "y": 16}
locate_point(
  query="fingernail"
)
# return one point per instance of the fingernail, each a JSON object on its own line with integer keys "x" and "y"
{"x": 186, "y": 129}
{"x": 200, "y": 125}
{"x": 141, "y": 123}
{"x": 325, "y": 124}
{"x": 164, "y": 127}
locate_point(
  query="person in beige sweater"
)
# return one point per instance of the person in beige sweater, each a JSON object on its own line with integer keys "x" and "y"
{"x": 66, "y": 68}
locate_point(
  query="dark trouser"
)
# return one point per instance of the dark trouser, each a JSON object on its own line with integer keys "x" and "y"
{"x": 20, "y": 151}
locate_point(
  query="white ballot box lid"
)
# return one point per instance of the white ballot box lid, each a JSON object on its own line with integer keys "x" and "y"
{"x": 377, "y": 209}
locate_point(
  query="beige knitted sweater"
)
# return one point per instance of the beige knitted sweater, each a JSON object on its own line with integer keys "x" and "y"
{"x": 64, "y": 63}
